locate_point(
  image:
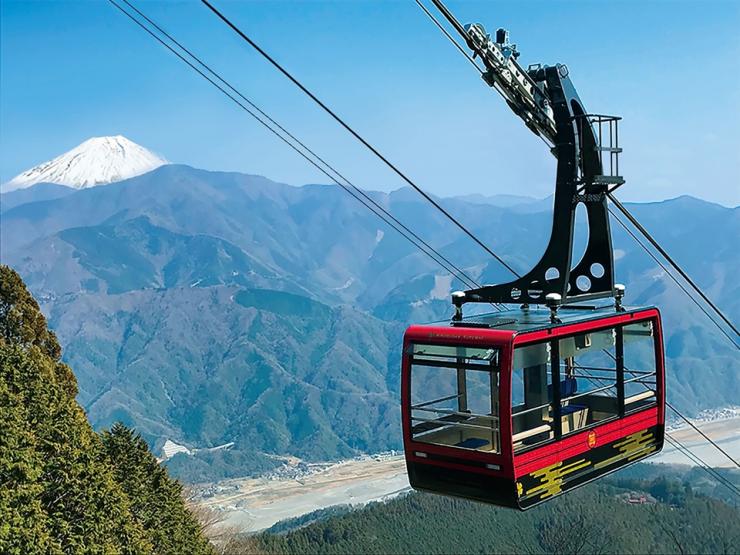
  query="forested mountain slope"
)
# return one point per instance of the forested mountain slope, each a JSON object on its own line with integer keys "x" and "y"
{"x": 268, "y": 370}
{"x": 595, "y": 519}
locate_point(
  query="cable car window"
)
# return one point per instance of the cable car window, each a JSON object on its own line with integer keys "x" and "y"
{"x": 588, "y": 379}
{"x": 640, "y": 384}
{"x": 454, "y": 396}
{"x": 531, "y": 396}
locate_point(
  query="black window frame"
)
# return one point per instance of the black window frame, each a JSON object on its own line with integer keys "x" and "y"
{"x": 556, "y": 401}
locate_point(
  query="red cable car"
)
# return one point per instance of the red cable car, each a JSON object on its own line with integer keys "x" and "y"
{"x": 522, "y": 405}
{"x": 482, "y": 420}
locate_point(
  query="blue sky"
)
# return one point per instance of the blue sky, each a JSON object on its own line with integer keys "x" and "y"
{"x": 75, "y": 69}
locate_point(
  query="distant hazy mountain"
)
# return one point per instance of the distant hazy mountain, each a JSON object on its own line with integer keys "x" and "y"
{"x": 506, "y": 201}
{"x": 515, "y": 203}
{"x": 209, "y": 307}
{"x": 97, "y": 161}
{"x": 42, "y": 191}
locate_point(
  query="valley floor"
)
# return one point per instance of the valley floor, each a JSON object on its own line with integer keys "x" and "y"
{"x": 258, "y": 503}
{"x": 253, "y": 504}
{"x": 725, "y": 432}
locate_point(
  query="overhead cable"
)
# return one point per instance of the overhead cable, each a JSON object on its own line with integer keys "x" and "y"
{"x": 702, "y": 464}
{"x": 702, "y": 434}
{"x": 685, "y": 450}
{"x": 337, "y": 178}
{"x": 355, "y": 134}
{"x": 675, "y": 280}
{"x": 462, "y": 51}
{"x": 670, "y": 260}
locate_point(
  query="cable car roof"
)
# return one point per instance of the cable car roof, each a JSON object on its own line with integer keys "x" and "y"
{"x": 536, "y": 319}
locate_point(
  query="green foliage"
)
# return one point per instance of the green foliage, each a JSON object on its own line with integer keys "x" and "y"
{"x": 590, "y": 520}
{"x": 211, "y": 466}
{"x": 21, "y": 321}
{"x": 673, "y": 483}
{"x": 156, "y": 499}
{"x": 59, "y": 491}
{"x": 318, "y": 515}
{"x": 279, "y": 302}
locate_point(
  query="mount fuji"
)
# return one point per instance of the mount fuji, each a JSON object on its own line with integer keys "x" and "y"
{"x": 97, "y": 161}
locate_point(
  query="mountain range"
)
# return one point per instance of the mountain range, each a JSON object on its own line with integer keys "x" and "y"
{"x": 210, "y": 307}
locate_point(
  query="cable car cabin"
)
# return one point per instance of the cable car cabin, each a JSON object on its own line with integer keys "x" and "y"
{"x": 482, "y": 420}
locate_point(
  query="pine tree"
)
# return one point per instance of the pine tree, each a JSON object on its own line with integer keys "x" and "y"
{"x": 156, "y": 499}
{"x": 59, "y": 492}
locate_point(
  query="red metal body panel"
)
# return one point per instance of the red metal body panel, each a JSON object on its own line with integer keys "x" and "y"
{"x": 578, "y": 443}
{"x": 660, "y": 365}
{"x": 447, "y": 335}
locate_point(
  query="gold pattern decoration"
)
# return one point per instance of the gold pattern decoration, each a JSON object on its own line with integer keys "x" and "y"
{"x": 552, "y": 477}
{"x": 632, "y": 447}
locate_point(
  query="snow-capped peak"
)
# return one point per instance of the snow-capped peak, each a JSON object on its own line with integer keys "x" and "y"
{"x": 97, "y": 161}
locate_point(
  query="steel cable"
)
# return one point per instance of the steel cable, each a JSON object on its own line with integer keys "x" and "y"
{"x": 670, "y": 275}
{"x": 368, "y": 201}
{"x": 645, "y": 233}
{"x": 355, "y": 134}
